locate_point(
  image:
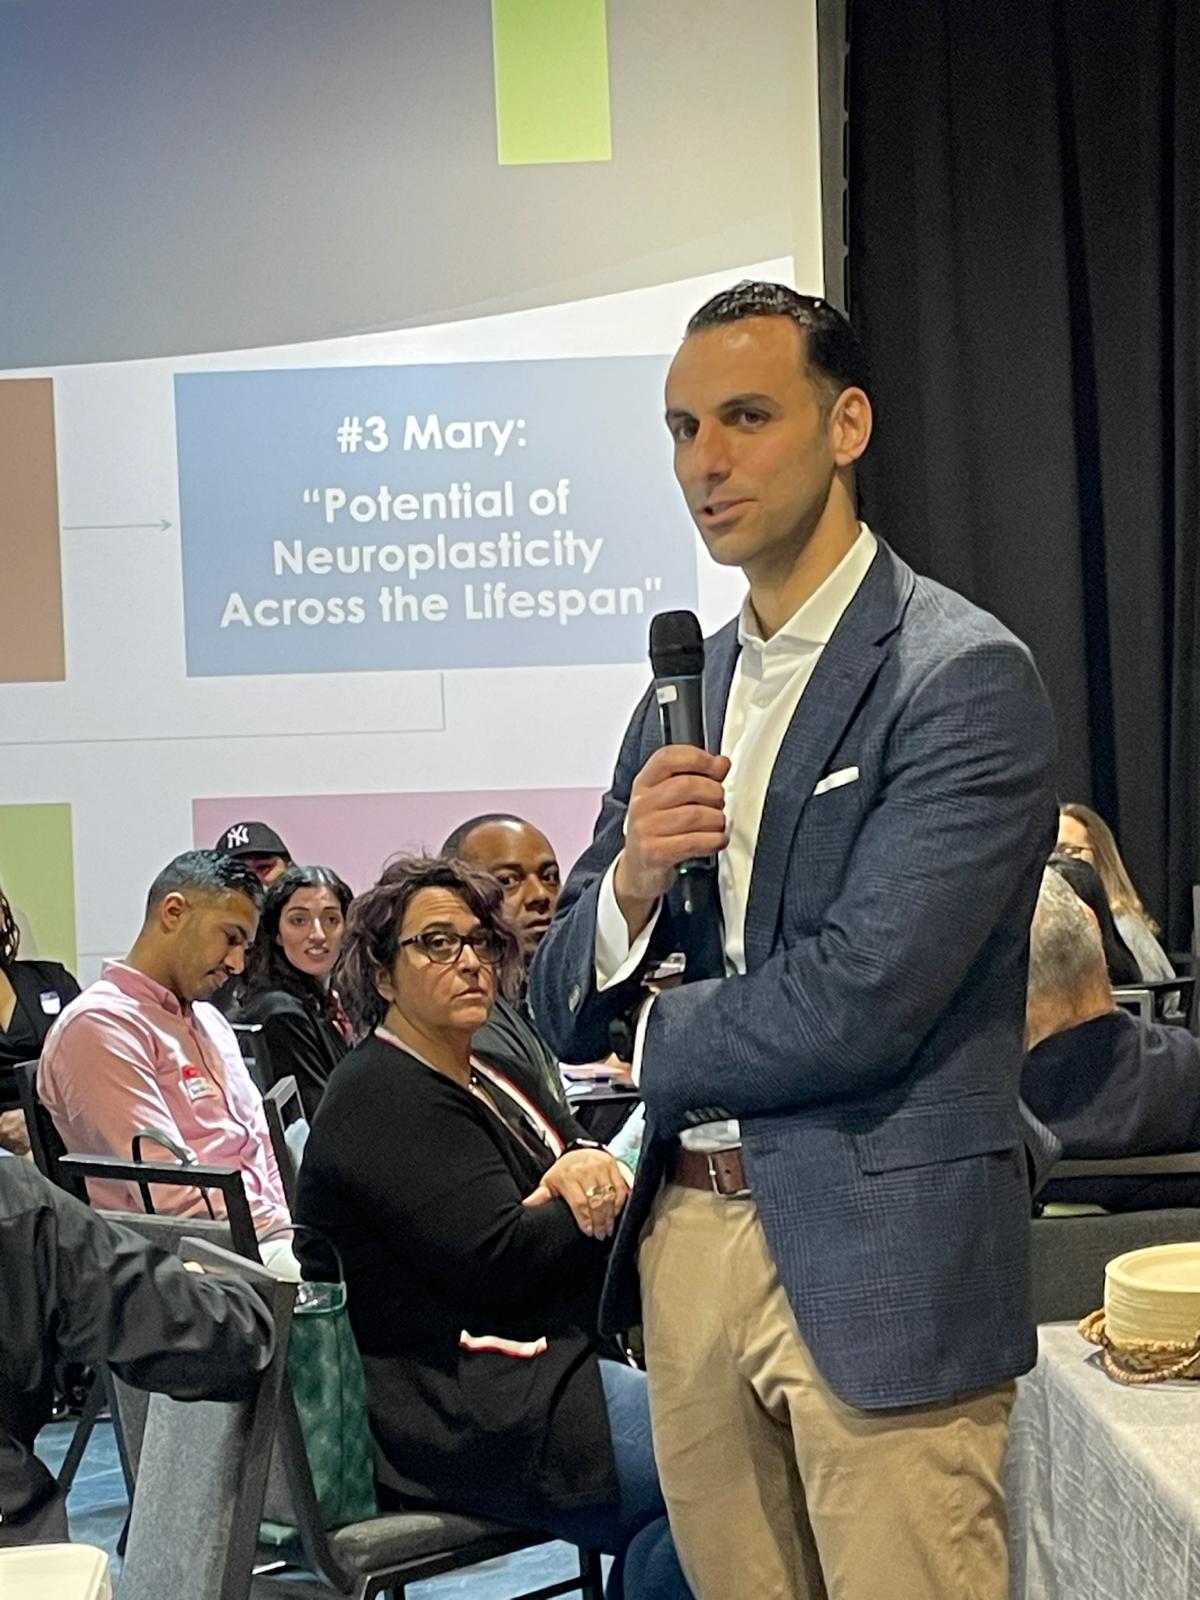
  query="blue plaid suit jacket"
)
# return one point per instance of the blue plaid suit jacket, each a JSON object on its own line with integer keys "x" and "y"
{"x": 873, "y": 1047}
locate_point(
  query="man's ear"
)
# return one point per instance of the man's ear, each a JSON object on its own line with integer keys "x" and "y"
{"x": 172, "y": 909}
{"x": 850, "y": 425}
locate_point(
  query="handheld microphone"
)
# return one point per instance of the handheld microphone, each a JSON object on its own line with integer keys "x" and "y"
{"x": 677, "y": 659}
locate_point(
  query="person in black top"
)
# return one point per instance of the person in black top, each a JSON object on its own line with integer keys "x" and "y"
{"x": 1103, "y": 1082}
{"x": 80, "y": 1288}
{"x": 522, "y": 860}
{"x": 287, "y": 987}
{"x": 32, "y": 994}
{"x": 473, "y": 1235}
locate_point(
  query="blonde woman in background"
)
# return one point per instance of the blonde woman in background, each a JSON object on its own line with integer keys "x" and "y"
{"x": 1083, "y": 834}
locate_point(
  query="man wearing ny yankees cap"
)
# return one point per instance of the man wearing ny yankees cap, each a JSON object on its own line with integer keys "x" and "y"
{"x": 258, "y": 847}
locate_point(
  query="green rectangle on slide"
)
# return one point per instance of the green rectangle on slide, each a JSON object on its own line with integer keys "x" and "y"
{"x": 551, "y": 81}
{"x": 37, "y": 874}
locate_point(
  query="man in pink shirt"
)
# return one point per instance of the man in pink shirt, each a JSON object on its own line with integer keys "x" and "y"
{"x": 140, "y": 1049}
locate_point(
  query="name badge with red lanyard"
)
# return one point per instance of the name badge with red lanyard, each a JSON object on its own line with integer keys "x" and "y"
{"x": 196, "y": 1086}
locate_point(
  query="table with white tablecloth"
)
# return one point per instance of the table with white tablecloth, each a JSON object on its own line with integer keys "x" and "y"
{"x": 1103, "y": 1481}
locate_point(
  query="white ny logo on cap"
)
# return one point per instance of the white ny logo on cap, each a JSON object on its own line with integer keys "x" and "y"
{"x": 237, "y": 836}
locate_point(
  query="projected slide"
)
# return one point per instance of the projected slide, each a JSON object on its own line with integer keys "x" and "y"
{"x": 508, "y": 513}
{"x": 335, "y": 488}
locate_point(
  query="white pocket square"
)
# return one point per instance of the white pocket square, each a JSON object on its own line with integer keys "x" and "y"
{"x": 835, "y": 780}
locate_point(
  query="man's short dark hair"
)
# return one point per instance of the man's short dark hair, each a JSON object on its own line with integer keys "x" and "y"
{"x": 455, "y": 841}
{"x": 208, "y": 872}
{"x": 836, "y": 359}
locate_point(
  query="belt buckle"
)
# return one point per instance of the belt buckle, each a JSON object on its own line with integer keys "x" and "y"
{"x": 714, "y": 1179}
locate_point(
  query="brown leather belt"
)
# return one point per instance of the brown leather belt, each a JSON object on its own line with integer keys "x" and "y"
{"x": 720, "y": 1171}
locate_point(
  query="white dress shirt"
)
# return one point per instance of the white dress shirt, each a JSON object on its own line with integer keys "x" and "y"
{"x": 770, "y": 677}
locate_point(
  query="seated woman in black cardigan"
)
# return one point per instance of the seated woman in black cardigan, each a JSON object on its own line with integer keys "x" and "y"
{"x": 32, "y": 996}
{"x": 287, "y": 987}
{"x": 473, "y": 1238}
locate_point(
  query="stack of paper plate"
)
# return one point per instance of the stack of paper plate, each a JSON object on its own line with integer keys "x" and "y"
{"x": 1153, "y": 1295}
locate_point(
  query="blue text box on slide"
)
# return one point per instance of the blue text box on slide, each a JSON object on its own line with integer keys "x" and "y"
{"x": 484, "y": 514}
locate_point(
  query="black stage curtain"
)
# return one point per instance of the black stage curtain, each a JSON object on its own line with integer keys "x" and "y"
{"x": 1024, "y": 224}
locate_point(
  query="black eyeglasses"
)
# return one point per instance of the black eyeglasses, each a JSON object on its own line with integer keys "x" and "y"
{"x": 443, "y": 947}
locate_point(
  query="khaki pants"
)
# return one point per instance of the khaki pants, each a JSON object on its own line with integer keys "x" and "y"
{"x": 777, "y": 1490}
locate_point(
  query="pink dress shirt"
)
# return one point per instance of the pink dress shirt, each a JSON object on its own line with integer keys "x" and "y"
{"x": 127, "y": 1055}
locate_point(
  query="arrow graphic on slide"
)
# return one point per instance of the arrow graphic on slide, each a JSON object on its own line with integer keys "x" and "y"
{"x": 93, "y": 527}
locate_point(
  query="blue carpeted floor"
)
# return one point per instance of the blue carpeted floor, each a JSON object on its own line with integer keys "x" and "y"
{"x": 97, "y": 1509}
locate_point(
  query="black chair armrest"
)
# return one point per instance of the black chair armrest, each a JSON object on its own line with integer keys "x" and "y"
{"x": 227, "y": 1181}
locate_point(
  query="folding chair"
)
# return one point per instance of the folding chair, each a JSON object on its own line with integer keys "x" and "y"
{"x": 288, "y": 1127}
{"x": 384, "y": 1554}
{"x": 236, "y": 1230}
{"x": 380, "y": 1555}
{"x": 203, "y": 1465}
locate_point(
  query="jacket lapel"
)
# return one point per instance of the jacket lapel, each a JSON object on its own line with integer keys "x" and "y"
{"x": 720, "y": 657}
{"x": 845, "y": 671}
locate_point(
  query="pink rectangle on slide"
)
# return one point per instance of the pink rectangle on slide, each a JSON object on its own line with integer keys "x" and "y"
{"x": 356, "y": 833}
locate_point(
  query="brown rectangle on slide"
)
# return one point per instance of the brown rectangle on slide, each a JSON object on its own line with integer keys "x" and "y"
{"x": 31, "y": 607}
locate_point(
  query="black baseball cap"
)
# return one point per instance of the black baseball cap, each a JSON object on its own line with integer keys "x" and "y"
{"x": 251, "y": 839}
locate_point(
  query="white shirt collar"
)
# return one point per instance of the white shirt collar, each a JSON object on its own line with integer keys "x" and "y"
{"x": 813, "y": 623}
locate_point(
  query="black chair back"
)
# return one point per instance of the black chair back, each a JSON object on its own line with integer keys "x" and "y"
{"x": 288, "y": 1127}
{"x": 1158, "y": 1000}
{"x": 45, "y": 1145}
{"x": 1070, "y": 1253}
{"x": 252, "y": 1042}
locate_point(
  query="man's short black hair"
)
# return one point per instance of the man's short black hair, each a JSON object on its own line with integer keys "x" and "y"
{"x": 207, "y": 871}
{"x": 455, "y": 841}
{"x": 836, "y": 359}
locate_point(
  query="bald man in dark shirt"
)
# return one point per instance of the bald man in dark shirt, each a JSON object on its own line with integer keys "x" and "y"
{"x": 1104, "y": 1082}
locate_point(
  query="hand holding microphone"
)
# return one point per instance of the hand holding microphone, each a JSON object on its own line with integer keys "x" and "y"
{"x": 676, "y": 816}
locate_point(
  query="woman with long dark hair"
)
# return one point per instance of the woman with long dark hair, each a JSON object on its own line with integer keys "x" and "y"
{"x": 472, "y": 1229}
{"x": 288, "y": 988}
{"x": 32, "y": 996}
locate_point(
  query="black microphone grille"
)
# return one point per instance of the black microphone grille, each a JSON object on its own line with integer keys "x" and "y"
{"x": 676, "y": 645}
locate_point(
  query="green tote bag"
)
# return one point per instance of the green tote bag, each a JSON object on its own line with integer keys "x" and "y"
{"x": 325, "y": 1372}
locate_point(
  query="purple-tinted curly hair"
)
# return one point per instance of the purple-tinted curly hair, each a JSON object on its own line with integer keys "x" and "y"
{"x": 373, "y": 929}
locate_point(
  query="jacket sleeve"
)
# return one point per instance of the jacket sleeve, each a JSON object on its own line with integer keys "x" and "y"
{"x": 948, "y": 854}
{"x": 79, "y": 1287}
{"x": 572, "y": 1014}
{"x": 434, "y": 1178}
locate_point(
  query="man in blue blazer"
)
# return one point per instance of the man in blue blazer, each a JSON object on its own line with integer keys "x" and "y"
{"x": 831, "y": 1215}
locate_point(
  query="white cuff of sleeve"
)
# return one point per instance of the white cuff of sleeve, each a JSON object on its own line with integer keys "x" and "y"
{"x": 616, "y": 958}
